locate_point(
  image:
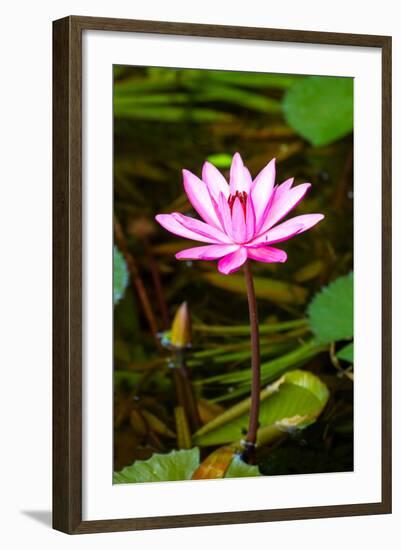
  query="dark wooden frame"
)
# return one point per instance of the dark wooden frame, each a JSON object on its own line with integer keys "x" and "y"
{"x": 67, "y": 279}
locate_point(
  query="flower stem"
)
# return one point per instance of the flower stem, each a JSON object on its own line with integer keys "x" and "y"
{"x": 250, "y": 441}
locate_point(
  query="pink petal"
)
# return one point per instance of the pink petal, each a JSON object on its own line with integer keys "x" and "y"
{"x": 250, "y": 220}
{"x": 262, "y": 189}
{"x": 238, "y": 222}
{"x": 267, "y": 254}
{"x": 240, "y": 178}
{"x": 199, "y": 197}
{"x": 292, "y": 227}
{"x": 210, "y": 252}
{"x": 225, "y": 214}
{"x": 202, "y": 228}
{"x": 284, "y": 187}
{"x": 232, "y": 262}
{"x": 276, "y": 195}
{"x": 215, "y": 181}
{"x": 282, "y": 203}
{"x": 248, "y": 177}
{"x": 169, "y": 222}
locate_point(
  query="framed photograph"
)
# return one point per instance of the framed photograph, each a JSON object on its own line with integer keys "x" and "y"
{"x": 222, "y": 274}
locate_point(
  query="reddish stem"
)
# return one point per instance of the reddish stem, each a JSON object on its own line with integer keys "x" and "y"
{"x": 250, "y": 441}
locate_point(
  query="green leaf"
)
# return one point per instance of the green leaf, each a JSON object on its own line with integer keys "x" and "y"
{"x": 320, "y": 108}
{"x": 331, "y": 312}
{"x": 268, "y": 289}
{"x": 220, "y": 160}
{"x": 174, "y": 466}
{"x": 347, "y": 353}
{"x": 239, "y": 468}
{"x": 120, "y": 276}
{"x": 292, "y": 402}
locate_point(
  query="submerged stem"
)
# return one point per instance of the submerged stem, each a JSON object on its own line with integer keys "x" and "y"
{"x": 250, "y": 441}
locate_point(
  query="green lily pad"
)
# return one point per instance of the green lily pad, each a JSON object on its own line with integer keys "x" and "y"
{"x": 331, "y": 312}
{"x": 177, "y": 466}
{"x": 321, "y": 108}
{"x": 174, "y": 466}
{"x": 120, "y": 276}
{"x": 347, "y": 353}
{"x": 239, "y": 468}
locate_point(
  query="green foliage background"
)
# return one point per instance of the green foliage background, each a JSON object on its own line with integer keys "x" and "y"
{"x": 169, "y": 119}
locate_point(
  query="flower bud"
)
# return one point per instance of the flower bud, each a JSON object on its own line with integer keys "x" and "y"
{"x": 181, "y": 331}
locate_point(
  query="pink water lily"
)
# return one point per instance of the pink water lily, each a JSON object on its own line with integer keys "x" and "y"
{"x": 240, "y": 219}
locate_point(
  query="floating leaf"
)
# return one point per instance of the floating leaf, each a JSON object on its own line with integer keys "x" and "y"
{"x": 174, "y": 466}
{"x": 347, "y": 353}
{"x": 268, "y": 289}
{"x": 120, "y": 276}
{"x": 185, "y": 464}
{"x": 239, "y": 468}
{"x": 292, "y": 402}
{"x": 331, "y": 312}
{"x": 320, "y": 108}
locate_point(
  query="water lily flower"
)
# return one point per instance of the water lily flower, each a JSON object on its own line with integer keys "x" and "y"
{"x": 240, "y": 219}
